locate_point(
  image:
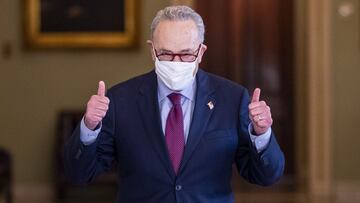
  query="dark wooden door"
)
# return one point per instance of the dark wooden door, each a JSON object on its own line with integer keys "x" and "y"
{"x": 251, "y": 42}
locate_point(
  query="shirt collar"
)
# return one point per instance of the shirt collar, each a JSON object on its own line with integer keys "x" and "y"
{"x": 164, "y": 91}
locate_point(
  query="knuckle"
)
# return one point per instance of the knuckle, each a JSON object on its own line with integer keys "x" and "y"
{"x": 91, "y": 105}
{"x": 252, "y": 113}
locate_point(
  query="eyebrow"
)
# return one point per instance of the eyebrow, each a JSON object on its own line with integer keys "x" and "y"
{"x": 182, "y": 51}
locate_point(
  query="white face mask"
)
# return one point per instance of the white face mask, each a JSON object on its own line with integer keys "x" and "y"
{"x": 176, "y": 75}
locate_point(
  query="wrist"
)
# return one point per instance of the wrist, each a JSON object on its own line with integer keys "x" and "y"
{"x": 258, "y": 131}
{"x": 90, "y": 125}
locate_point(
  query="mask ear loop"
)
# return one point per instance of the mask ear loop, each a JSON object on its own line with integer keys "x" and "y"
{"x": 154, "y": 52}
{"x": 197, "y": 57}
{"x": 196, "y": 60}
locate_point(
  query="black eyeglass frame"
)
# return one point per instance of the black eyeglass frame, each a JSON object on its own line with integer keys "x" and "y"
{"x": 179, "y": 55}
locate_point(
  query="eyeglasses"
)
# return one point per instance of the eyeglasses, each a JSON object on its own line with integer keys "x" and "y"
{"x": 186, "y": 57}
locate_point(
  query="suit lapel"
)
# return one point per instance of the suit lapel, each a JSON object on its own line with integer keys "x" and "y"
{"x": 149, "y": 110}
{"x": 201, "y": 115}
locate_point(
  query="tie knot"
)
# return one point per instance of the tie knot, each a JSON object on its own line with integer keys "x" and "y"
{"x": 175, "y": 98}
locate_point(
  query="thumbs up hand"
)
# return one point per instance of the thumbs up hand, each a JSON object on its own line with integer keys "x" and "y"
{"x": 259, "y": 113}
{"x": 96, "y": 107}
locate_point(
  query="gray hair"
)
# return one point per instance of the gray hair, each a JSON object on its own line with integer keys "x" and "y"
{"x": 179, "y": 13}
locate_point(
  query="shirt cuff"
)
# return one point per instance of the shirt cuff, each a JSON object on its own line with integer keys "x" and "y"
{"x": 88, "y": 136}
{"x": 259, "y": 141}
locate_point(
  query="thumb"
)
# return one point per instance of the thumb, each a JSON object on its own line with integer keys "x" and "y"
{"x": 256, "y": 95}
{"x": 101, "y": 89}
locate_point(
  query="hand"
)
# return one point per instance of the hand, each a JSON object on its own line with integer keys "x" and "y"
{"x": 96, "y": 108}
{"x": 259, "y": 113}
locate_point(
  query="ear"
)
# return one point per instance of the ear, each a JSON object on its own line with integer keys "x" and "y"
{"x": 202, "y": 51}
{"x": 151, "y": 46}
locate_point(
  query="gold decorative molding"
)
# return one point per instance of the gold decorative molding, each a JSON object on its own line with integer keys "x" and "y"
{"x": 37, "y": 38}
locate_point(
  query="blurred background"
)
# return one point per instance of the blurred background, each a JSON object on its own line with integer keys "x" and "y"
{"x": 305, "y": 55}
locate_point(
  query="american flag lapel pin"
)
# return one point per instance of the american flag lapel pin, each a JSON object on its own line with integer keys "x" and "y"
{"x": 210, "y": 105}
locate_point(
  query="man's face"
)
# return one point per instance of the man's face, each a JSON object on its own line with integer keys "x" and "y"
{"x": 177, "y": 37}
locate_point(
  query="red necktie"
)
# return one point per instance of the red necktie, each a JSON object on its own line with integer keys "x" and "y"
{"x": 174, "y": 131}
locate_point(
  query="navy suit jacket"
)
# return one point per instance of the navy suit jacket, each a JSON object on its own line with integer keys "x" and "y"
{"x": 131, "y": 135}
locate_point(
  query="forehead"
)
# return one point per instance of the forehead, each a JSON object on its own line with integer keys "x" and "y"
{"x": 176, "y": 35}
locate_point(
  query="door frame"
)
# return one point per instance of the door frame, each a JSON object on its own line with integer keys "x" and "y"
{"x": 314, "y": 107}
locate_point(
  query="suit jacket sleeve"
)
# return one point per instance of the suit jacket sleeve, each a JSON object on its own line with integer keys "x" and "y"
{"x": 84, "y": 162}
{"x": 263, "y": 168}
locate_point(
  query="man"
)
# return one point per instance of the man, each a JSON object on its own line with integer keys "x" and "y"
{"x": 176, "y": 131}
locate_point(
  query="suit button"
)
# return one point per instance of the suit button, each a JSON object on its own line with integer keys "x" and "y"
{"x": 178, "y": 187}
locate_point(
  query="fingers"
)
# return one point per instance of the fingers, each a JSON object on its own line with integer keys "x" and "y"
{"x": 259, "y": 113}
{"x": 96, "y": 102}
{"x": 97, "y": 107}
{"x": 256, "y": 95}
{"x": 103, "y": 107}
{"x": 257, "y": 104}
{"x": 266, "y": 116}
{"x": 100, "y": 99}
{"x": 259, "y": 110}
{"x": 101, "y": 89}
{"x": 99, "y": 114}
{"x": 263, "y": 123}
